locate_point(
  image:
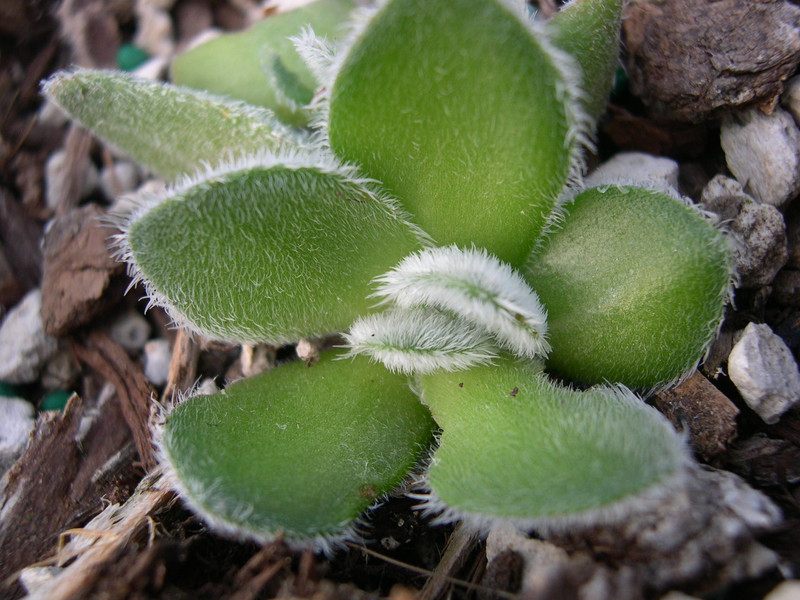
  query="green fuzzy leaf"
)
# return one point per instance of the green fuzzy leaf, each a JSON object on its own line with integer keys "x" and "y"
{"x": 168, "y": 129}
{"x": 272, "y": 249}
{"x": 298, "y": 449}
{"x": 635, "y": 284}
{"x": 464, "y": 114}
{"x": 589, "y": 31}
{"x": 516, "y": 446}
{"x": 234, "y": 64}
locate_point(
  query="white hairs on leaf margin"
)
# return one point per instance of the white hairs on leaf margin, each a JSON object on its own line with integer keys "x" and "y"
{"x": 419, "y": 340}
{"x": 478, "y": 287}
{"x": 644, "y": 501}
{"x": 289, "y": 157}
{"x": 328, "y": 544}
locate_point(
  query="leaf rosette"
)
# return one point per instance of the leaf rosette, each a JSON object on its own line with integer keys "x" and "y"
{"x": 435, "y": 217}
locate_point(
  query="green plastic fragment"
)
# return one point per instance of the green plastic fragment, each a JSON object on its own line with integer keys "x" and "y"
{"x": 8, "y": 390}
{"x": 55, "y": 400}
{"x": 302, "y": 450}
{"x": 635, "y": 283}
{"x": 130, "y": 56}
{"x": 463, "y": 114}
{"x": 516, "y": 446}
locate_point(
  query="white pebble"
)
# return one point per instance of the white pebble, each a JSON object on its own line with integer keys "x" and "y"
{"x": 153, "y": 30}
{"x": 636, "y": 168}
{"x": 130, "y": 330}
{"x": 55, "y": 176}
{"x": 120, "y": 178}
{"x": 764, "y": 371}
{"x": 786, "y": 590}
{"x": 763, "y": 152}
{"x": 16, "y": 424}
{"x": 157, "y": 355}
{"x": 24, "y": 346}
{"x": 791, "y": 97}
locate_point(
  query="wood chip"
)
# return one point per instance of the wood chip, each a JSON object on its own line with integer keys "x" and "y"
{"x": 74, "y": 460}
{"x": 81, "y": 279}
{"x": 108, "y": 358}
{"x": 701, "y": 409}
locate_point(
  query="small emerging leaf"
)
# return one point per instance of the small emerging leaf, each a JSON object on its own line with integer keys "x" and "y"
{"x": 302, "y": 450}
{"x": 635, "y": 283}
{"x": 589, "y": 31}
{"x": 464, "y": 114}
{"x": 168, "y": 129}
{"x": 477, "y": 287}
{"x": 273, "y": 249}
{"x": 515, "y": 446}
{"x": 247, "y": 65}
{"x": 420, "y": 340}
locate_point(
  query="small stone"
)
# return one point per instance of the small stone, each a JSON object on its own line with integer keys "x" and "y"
{"x": 51, "y": 115}
{"x": 120, "y": 178}
{"x": 24, "y": 346}
{"x": 758, "y": 230}
{"x": 60, "y": 371}
{"x": 157, "y": 356}
{"x": 16, "y": 423}
{"x": 790, "y": 99}
{"x": 764, "y": 371}
{"x": 34, "y": 579}
{"x": 154, "y": 69}
{"x": 131, "y": 331}
{"x": 636, "y": 168}
{"x": 154, "y": 30}
{"x": 786, "y": 590}
{"x": 724, "y": 196}
{"x": 763, "y": 152}
{"x": 55, "y": 178}
{"x": 786, "y": 288}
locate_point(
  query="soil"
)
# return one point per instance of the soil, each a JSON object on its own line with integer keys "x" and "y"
{"x": 62, "y": 490}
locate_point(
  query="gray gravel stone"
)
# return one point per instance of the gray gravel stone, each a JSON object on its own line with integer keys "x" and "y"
{"x": 763, "y": 152}
{"x": 790, "y": 99}
{"x": 636, "y": 167}
{"x": 24, "y": 346}
{"x": 760, "y": 246}
{"x": 705, "y": 525}
{"x": 120, "y": 178}
{"x": 157, "y": 354}
{"x": 16, "y": 423}
{"x": 764, "y": 371}
{"x": 130, "y": 330}
{"x": 55, "y": 178}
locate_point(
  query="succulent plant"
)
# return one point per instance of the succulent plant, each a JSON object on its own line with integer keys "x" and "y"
{"x": 433, "y": 214}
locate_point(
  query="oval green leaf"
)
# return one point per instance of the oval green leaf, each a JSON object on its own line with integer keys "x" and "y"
{"x": 516, "y": 446}
{"x": 301, "y": 450}
{"x": 464, "y": 114}
{"x": 247, "y": 65}
{"x": 270, "y": 250}
{"x": 635, "y": 284}
{"x": 589, "y": 31}
{"x": 168, "y": 129}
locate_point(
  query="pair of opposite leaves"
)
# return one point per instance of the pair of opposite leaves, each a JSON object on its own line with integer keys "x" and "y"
{"x": 471, "y": 118}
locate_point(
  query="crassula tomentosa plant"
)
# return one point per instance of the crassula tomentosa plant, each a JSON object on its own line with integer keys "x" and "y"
{"x": 432, "y": 212}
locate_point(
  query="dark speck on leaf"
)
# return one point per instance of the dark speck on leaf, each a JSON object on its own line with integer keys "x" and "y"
{"x": 514, "y": 392}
